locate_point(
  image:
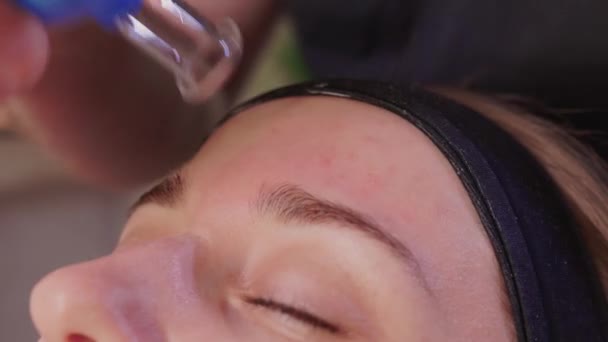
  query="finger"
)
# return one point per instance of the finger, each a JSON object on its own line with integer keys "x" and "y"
{"x": 112, "y": 116}
{"x": 23, "y": 49}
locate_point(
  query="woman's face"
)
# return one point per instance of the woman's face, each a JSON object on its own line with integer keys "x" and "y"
{"x": 302, "y": 219}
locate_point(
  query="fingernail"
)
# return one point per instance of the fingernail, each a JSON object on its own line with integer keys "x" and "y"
{"x": 23, "y": 49}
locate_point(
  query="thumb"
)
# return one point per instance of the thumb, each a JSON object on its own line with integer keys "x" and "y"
{"x": 23, "y": 49}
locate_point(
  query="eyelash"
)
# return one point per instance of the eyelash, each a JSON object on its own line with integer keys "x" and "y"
{"x": 296, "y": 313}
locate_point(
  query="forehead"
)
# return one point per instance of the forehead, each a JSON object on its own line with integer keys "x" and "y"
{"x": 358, "y": 156}
{"x": 361, "y": 157}
{"x": 346, "y": 151}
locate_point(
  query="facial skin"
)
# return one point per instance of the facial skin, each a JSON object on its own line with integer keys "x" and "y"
{"x": 302, "y": 219}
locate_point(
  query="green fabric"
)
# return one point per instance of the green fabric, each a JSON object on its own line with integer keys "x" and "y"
{"x": 281, "y": 63}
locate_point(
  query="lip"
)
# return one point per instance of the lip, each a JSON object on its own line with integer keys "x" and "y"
{"x": 73, "y": 338}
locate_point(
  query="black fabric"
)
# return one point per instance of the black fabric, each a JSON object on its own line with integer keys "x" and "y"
{"x": 553, "y": 288}
{"x": 552, "y": 50}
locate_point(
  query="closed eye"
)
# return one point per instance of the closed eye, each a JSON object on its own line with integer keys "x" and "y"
{"x": 296, "y": 313}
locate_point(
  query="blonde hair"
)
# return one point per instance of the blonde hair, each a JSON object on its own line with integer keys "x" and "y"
{"x": 581, "y": 175}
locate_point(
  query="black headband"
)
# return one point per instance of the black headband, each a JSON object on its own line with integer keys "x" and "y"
{"x": 554, "y": 290}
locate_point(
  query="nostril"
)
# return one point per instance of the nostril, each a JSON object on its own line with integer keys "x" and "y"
{"x": 79, "y": 338}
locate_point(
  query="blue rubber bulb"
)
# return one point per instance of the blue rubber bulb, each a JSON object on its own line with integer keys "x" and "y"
{"x": 64, "y": 11}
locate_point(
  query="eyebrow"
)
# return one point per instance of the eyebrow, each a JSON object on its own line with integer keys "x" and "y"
{"x": 167, "y": 193}
{"x": 291, "y": 204}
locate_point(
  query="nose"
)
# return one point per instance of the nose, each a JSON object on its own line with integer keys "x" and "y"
{"x": 119, "y": 298}
{"x": 76, "y": 304}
